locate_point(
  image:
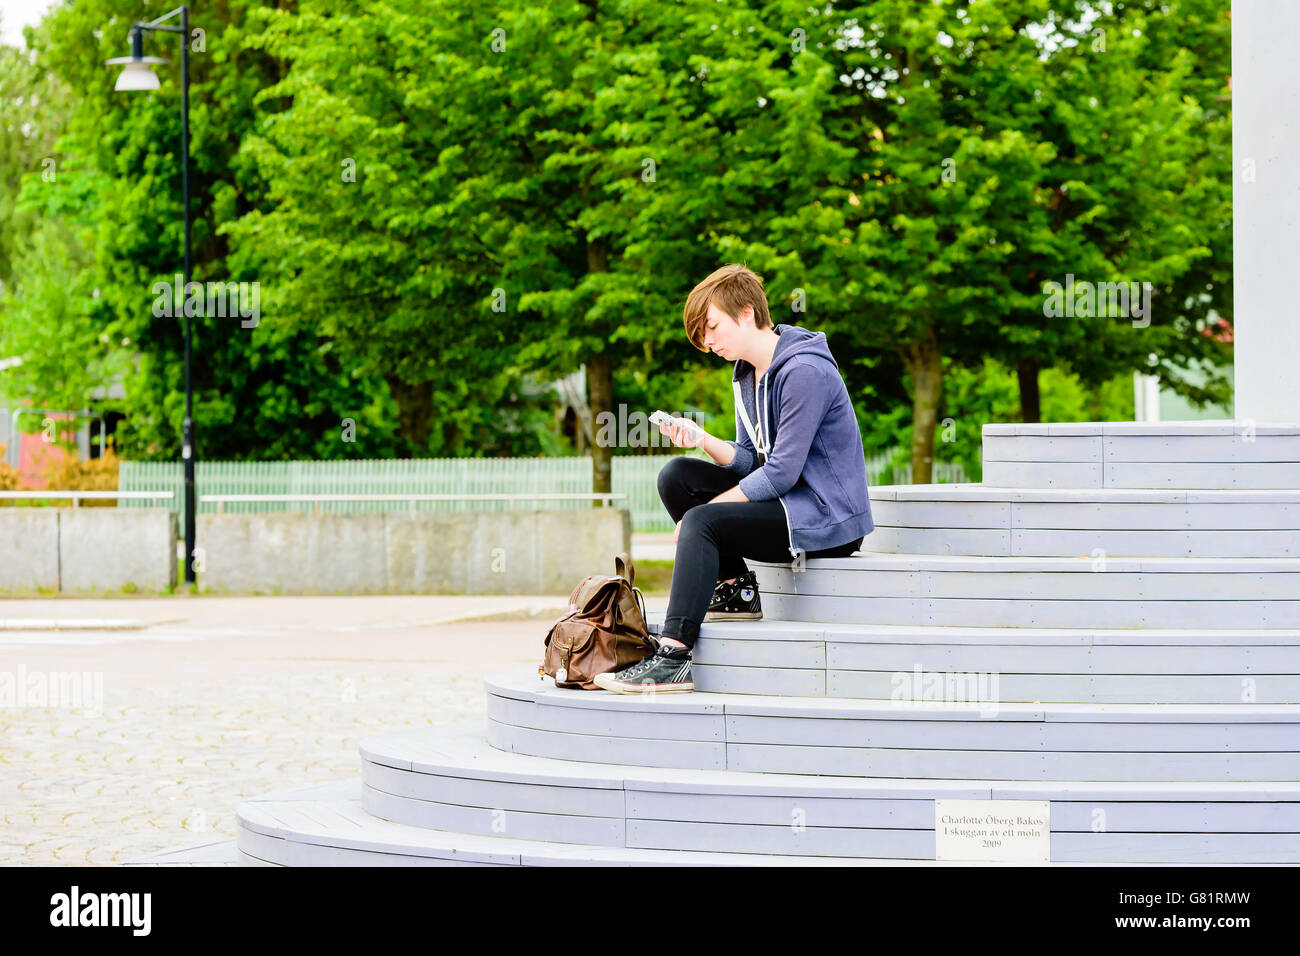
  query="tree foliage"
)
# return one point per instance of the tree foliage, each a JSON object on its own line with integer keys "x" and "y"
{"x": 445, "y": 205}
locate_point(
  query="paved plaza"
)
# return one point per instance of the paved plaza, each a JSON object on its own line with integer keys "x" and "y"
{"x": 198, "y": 703}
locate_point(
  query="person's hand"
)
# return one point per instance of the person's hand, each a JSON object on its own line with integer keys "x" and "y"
{"x": 675, "y": 530}
{"x": 683, "y": 433}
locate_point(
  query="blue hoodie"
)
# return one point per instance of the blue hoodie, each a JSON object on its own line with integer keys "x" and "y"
{"x": 804, "y": 449}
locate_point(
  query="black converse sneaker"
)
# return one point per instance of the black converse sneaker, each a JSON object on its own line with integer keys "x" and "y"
{"x": 737, "y": 601}
{"x": 667, "y": 670}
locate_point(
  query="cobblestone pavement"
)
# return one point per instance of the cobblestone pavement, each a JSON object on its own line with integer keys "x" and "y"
{"x": 216, "y": 700}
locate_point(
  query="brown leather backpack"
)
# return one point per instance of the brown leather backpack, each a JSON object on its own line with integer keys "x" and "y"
{"x": 604, "y": 629}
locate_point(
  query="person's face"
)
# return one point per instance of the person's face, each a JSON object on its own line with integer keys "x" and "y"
{"x": 723, "y": 335}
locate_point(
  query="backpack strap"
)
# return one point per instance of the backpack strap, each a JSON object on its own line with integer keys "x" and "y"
{"x": 624, "y": 568}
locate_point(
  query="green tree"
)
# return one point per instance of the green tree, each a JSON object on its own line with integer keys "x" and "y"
{"x": 33, "y": 106}
{"x": 264, "y": 392}
{"x": 546, "y": 183}
{"x": 447, "y": 204}
{"x": 992, "y": 152}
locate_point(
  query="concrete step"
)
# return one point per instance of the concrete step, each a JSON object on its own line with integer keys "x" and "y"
{"x": 1197, "y": 455}
{"x": 449, "y": 779}
{"x": 1104, "y": 592}
{"x": 976, "y": 519}
{"x": 1044, "y": 665}
{"x": 906, "y": 739}
{"x": 331, "y": 828}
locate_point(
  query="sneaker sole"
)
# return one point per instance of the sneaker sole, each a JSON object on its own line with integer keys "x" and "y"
{"x": 733, "y": 616}
{"x": 621, "y": 688}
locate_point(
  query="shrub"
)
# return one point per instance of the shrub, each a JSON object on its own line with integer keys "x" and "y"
{"x": 94, "y": 474}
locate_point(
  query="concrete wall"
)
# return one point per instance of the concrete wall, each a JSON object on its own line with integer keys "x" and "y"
{"x": 112, "y": 548}
{"x": 29, "y": 549}
{"x": 498, "y": 552}
{"x": 87, "y": 549}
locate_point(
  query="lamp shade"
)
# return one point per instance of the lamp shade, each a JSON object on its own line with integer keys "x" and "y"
{"x": 137, "y": 72}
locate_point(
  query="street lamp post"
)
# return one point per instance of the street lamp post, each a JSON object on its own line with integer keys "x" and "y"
{"x": 137, "y": 74}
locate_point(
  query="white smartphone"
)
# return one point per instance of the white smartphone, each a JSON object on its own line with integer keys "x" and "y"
{"x": 663, "y": 418}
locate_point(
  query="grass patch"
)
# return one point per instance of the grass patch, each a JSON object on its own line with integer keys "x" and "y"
{"x": 654, "y": 577}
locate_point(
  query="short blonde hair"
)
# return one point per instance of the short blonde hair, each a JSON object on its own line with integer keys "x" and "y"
{"x": 730, "y": 288}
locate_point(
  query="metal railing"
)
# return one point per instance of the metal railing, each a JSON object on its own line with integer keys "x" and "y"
{"x": 461, "y": 479}
{"x": 79, "y": 496}
{"x": 315, "y": 500}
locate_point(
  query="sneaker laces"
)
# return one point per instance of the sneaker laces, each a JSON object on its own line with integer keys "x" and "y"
{"x": 643, "y": 665}
{"x": 725, "y": 590}
{"x": 639, "y": 667}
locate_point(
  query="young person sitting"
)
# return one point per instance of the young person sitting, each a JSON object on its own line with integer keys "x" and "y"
{"x": 792, "y": 485}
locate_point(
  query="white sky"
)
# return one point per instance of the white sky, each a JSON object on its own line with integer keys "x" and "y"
{"x": 16, "y": 14}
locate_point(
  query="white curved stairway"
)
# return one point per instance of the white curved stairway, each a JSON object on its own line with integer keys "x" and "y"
{"x": 1131, "y": 655}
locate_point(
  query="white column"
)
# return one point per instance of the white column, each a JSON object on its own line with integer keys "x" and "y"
{"x": 1146, "y": 398}
{"x": 1266, "y": 209}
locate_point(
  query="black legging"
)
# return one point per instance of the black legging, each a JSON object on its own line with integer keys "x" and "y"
{"x": 714, "y": 539}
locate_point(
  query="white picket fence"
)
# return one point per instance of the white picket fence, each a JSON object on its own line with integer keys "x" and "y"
{"x": 633, "y": 475}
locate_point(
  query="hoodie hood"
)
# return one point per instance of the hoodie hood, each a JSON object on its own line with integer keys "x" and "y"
{"x": 791, "y": 341}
